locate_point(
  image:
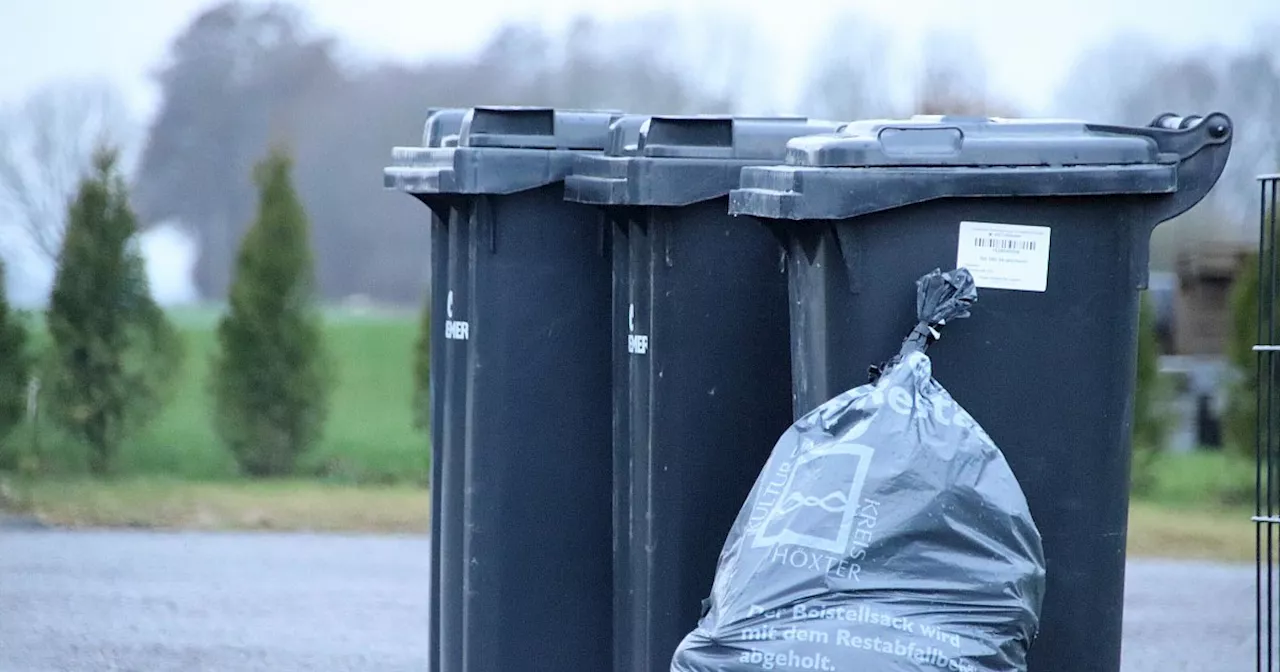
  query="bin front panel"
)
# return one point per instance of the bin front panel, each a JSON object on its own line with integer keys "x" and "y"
{"x": 522, "y": 472}
{"x": 454, "y": 295}
{"x": 1049, "y": 374}
{"x": 438, "y": 368}
{"x": 710, "y": 393}
{"x": 617, "y": 226}
{"x": 635, "y": 312}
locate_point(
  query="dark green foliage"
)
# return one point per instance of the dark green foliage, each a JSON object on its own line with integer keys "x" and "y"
{"x": 1150, "y": 402}
{"x": 422, "y": 372}
{"x": 15, "y": 366}
{"x": 271, "y": 381}
{"x": 113, "y": 352}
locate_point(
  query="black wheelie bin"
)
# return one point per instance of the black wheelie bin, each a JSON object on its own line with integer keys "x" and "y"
{"x": 702, "y": 382}
{"x": 1053, "y": 219}
{"x": 521, "y": 375}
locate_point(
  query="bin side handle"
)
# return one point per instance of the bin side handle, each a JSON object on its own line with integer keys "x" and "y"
{"x": 439, "y": 204}
{"x": 780, "y": 231}
{"x": 849, "y": 247}
{"x": 1207, "y": 143}
{"x": 485, "y": 221}
{"x": 1174, "y": 134}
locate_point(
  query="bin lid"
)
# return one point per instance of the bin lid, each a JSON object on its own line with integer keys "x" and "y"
{"x": 670, "y": 160}
{"x": 873, "y": 165}
{"x": 497, "y": 150}
{"x": 968, "y": 141}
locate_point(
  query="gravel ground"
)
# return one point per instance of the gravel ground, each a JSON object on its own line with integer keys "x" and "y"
{"x": 157, "y": 602}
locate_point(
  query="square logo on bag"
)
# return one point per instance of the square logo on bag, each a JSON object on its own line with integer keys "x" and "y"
{"x": 817, "y": 506}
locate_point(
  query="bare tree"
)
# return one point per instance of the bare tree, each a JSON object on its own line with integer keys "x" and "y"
{"x": 46, "y": 145}
{"x": 1099, "y": 85}
{"x": 238, "y": 77}
{"x": 1243, "y": 81}
{"x": 851, "y": 72}
{"x": 242, "y": 73}
{"x": 726, "y": 56}
{"x": 953, "y": 79}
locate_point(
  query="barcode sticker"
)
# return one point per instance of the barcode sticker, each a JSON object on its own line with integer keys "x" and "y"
{"x": 1005, "y": 256}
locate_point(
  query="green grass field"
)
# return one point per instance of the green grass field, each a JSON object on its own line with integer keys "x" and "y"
{"x": 369, "y": 437}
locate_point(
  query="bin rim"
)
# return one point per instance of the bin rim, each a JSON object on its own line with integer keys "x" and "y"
{"x": 498, "y": 150}
{"x": 1183, "y": 163}
{"x": 938, "y": 140}
{"x": 680, "y": 160}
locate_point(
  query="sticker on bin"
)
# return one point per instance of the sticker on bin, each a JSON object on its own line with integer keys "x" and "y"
{"x": 637, "y": 344}
{"x": 1005, "y": 256}
{"x": 455, "y": 330}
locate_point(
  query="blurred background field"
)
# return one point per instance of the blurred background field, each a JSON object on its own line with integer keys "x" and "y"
{"x": 1199, "y": 509}
{"x": 368, "y": 440}
{"x": 368, "y": 472}
{"x": 196, "y": 93}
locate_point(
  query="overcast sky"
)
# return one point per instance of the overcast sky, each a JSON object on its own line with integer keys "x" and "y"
{"x": 1028, "y": 44}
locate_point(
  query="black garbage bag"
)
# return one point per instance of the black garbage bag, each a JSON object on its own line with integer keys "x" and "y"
{"x": 885, "y": 533}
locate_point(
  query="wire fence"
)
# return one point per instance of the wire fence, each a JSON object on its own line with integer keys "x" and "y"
{"x": 1267, "y": 488}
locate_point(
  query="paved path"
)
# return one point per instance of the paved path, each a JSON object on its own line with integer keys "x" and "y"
{"x": 1186, "y": 616}
{"x": 146, "y": 602}
{"x": 152, "y": 602}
